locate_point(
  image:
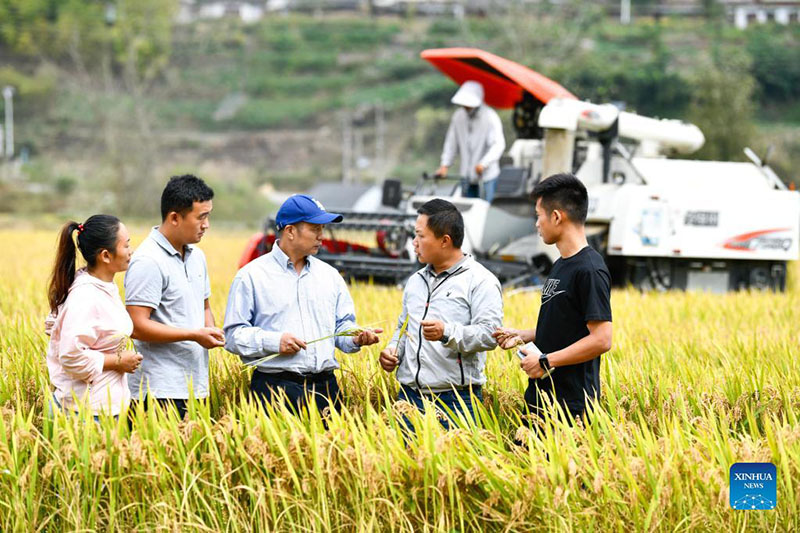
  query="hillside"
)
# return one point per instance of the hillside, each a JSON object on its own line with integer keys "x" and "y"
{"x": 265, "y": 104}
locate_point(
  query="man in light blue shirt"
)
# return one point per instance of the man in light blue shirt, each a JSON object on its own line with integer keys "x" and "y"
{"x": 292, "y": 305}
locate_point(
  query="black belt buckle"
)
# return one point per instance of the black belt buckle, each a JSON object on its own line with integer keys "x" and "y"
{"x": 299, "y": 378}
{"x": 320, "y": 376}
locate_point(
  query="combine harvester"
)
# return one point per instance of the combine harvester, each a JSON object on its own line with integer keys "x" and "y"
{"x": 660, "y": 223}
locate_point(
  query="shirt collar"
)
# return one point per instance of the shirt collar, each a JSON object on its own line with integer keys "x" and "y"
{"x": 429, "y": 268}
{"x": 162, "y": 241}
{"x": 283, "y": 260}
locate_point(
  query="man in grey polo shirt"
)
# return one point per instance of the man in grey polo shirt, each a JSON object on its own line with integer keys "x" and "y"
{"x": 453, "y": 307}
{"x": 166, "y": 293}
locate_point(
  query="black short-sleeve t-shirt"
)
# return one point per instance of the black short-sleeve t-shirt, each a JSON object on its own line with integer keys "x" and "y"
{"x": 578, "y": 290}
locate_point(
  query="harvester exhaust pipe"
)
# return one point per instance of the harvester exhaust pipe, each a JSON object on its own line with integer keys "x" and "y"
{"x": 559, "y": 139}
{"x": 559, "y": 146}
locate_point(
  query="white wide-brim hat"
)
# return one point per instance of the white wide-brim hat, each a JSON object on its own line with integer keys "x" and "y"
{"x": 470, "y": 94}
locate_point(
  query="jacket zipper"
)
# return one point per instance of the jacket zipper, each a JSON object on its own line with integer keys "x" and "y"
{"x": 461, "y": 367}
{"x": 424, "y": 314}
{"x": 419, "y": 333}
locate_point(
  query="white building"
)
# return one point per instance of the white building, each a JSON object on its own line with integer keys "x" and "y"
{"x": 761, "y": 12}
{"x": 192, "y": 10}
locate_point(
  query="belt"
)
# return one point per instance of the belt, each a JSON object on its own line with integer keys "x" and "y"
{"x": 296, "y": 377}
{"x": 427, "y": 392}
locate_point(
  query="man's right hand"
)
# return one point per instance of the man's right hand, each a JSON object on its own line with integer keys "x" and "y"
{"x": 128, "y": 361}
{"x": 290, "y": 344}
{"x": 388, "y": 359}
{"x": 508, "y": 338}
{"x": 210, "y": 337}
{"x": 442, "y": 172}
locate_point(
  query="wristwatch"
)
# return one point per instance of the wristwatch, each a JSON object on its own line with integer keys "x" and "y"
{"x": 444, "y": 339}
{"x": 544, "y": 363}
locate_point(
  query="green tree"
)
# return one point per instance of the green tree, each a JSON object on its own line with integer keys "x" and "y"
{"x": 722, "y": 105}
{"x": 118, "y": 51}
{"x": 713, "y": 10}
{"x": 115, "y": 51}
{"x": 776, "y": 61}
{"x": 25, "y": 24}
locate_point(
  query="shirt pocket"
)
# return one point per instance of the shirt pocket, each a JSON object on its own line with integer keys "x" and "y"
{"x": 275, "y": 302}
{"x": 321, "y": 305}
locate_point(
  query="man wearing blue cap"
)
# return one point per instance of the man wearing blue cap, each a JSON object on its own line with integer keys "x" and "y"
{"x": 290, "y": 304}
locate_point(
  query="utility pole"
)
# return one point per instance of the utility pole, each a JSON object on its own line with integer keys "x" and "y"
{"x": 358, "y": 148}
{"x": 8, "y": 94}
{"x": 625, "y": 11}
{"x": 347, "y": 146}
{"x": 380, "y": 133}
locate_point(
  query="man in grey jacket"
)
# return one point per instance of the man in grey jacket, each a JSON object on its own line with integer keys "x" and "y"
{"x": 476, "y": 136}
{"x": 452, "y": 307}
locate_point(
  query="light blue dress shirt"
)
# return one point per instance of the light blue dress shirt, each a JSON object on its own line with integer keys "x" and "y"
{"x": 268, "y": 298}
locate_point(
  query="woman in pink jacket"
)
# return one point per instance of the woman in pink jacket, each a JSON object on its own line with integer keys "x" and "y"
{"x": 88, "y": 324}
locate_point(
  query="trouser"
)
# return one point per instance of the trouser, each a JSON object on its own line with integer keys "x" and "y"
{"x": 450, "y": 399}
{"x": 537, "y": 406}
{"x": 296, "y": 390}
{"x": 54, "y": 405}
{"x": 473, "y": 190}
{"x": 180, "y": 405}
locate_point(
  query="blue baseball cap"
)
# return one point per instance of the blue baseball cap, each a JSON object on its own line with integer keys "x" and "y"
{"x": 303, "y": 208}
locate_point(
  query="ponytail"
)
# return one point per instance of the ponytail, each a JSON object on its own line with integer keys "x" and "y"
{"x": 98, "y": 233}
{"x": 64, "y": 268}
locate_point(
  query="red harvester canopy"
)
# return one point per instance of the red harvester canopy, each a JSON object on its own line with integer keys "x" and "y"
{"x": 503, "y": 81}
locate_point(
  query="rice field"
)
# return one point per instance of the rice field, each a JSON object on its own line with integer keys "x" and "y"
{"x": 694, "y": 383}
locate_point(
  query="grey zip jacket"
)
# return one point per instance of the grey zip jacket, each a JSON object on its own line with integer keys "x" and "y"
{"x": 469, "y": 300}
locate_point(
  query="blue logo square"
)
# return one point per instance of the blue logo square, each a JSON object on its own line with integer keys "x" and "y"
{"x": 753, "y": 486}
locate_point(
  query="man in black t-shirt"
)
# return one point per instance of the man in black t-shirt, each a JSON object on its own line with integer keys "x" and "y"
{"x": 574, "y": 326}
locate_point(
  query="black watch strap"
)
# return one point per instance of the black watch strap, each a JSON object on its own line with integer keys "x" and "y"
{"x": 543, "y": 362}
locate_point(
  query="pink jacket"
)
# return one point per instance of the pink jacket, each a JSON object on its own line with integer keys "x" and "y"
{"x": 89, "y": 324}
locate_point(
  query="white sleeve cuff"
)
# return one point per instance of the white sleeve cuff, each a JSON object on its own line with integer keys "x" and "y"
{"x": 271, "y": 342}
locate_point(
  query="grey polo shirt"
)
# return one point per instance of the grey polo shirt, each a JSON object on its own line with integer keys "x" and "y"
{"x": 175, "y": 289}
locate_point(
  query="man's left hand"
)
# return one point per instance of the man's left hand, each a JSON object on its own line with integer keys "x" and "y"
{"x": 530, "y": 364}
{"x": 479, "y": 169}
{"x": 432, "y": 330}
{"x": 366, "y": 337}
